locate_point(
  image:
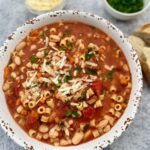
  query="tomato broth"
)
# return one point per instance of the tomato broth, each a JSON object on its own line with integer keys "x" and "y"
{"x": 67, "y": 83}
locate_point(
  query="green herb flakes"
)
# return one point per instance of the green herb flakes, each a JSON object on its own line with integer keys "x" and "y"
{"x": 85, "y": 128}
{"x": 67, "y": 77}
{"x": 91, "y": 71}
{"x": 45, "y": 53}
{"x": 43, "y": 35}
{"x": 104, "y": 92}
{"x": 62, "y": 49}
{"x": 48, "y": 62}
{"x": 33, "y": 59}
{"x": 52, "y": 91}
{"x": 73, "y": 114}
{"x": 82, "y": 97}
{"x": 69, "y": 45}
{"x": 89, "y": 55}
{"x": 127, "y": 6}
{"x": 68, "y": 113}
{"x": 110, "y": 74}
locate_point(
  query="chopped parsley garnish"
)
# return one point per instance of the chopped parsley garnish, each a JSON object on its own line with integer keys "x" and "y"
{"x": 127, "y": 6}
{"x": 59, "y": 81}
{"x": 104, "y": 92}
{"x": 110, "y": 74}
{"x": 45, "y": 53}
{"x": 68, "y": 113}
{"x": 60, "y": 124}
{"x": 73, "y": 114}
{"x": 64, "y": 35}
{"x": 43, "y": 35}
{"x": 48, "y": 62}
{"x": 69, "y": 45}
{"x": 34, "y": 85}
{"x": 89, "y": 54}
{"x": 82, "y": 97}
{"x": 67, "y": 101}
{"x": 67, "y": 77}
{"x": 56, "y": 86}
{"x": 33, "y": 59}
{"x": 78, "y": 69}
{"x": 62, "y": 49}
{"x": 85, "y": 128}
{"x": 52, "y": 91}
{"x": 91, "y": 71}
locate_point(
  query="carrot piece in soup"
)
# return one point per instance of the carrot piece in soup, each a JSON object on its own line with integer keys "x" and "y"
{"x": 32, "y": 119}
{"x": 6, "y": 72}
{"x": 18, "y": 102}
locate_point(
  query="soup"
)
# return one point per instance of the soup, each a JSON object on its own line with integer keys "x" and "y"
{"x": 67, "y": 83}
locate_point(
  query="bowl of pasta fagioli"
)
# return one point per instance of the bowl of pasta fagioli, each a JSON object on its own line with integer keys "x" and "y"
{"x": 69, "y": 80}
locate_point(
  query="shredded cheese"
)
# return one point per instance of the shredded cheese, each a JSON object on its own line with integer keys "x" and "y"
{"x": 43, "y": 5}
{"x": 108, "y": 67}
{"x": 91, "y": 64}
{"x": 28, "y": 83}
{"x": 48, "y": 69}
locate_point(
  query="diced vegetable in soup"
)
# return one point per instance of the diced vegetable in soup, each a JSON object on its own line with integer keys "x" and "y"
{"x": 67, "y": 83}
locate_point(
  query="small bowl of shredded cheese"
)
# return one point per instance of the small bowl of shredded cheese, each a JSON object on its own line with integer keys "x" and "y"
{"x": 43, "y": 6}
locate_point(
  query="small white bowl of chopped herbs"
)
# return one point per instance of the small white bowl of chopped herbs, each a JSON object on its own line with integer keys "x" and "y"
{"x": 126, "y": 9}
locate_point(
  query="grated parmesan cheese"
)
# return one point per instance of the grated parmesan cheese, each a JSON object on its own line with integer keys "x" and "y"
{"x": 108, "y": 67}
{"x": 91, "y": 64}
{"x": 28, "y": 83}
{"x": 48, "y": 69}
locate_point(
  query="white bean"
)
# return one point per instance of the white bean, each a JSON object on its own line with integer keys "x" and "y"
{"x": 52, "y": 44}
{"x": 33, "y": 47}
{"x": 17, "y": 60}
{"x": 35, "y": 66}
{"x": 77, "y": 138}
{"x": 63, "y": 142}
{"x": 21, "y": 45}
{"x": 56, "y": 144}
{"x": 21, "y": 53}
{"x": 53, "y": 135}
{"x": 13, "y": 75}
{"x": 6, "y": 86}
{"x": 45, "y": 136}
{"x": 87, "y": 135}
{"x": 29, "y": 65}
{"x": 39, "y": 136}
{"x": 22, "y": 69}
{"x": 102, "y": 124}
{"x": 43, "y": 128}
{"x": 40, "y": 54}
{"x": 19, "y": 109}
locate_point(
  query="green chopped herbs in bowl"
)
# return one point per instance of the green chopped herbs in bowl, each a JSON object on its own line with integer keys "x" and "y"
{"x": 127, "y": 6}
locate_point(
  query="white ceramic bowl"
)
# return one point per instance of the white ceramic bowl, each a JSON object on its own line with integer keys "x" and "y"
{"x": 125, "y": 16}
{"x": 11, "y": 127}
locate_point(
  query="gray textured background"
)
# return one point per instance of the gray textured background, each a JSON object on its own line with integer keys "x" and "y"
{"x": 137, "y": 137}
